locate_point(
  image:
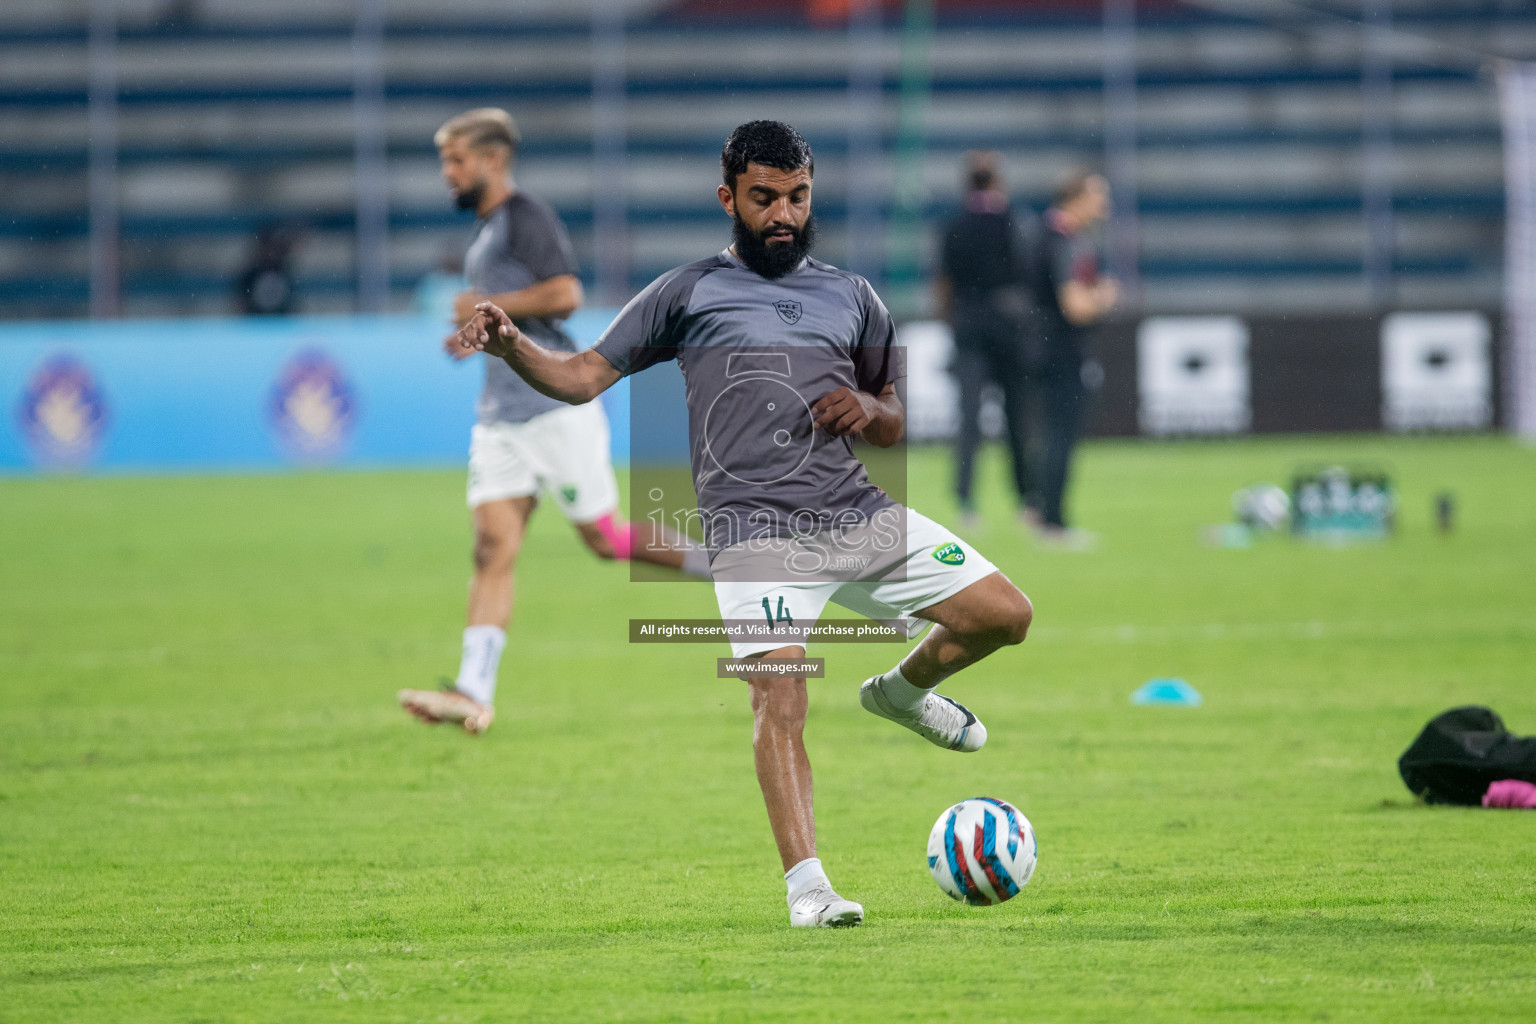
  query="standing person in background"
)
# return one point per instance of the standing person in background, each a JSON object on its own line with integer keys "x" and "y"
{"x": 524, "y": 444}
{"x": 266, "y": 285}
{"x": 1072, "y": 296}
{"x": 983, "y": 290}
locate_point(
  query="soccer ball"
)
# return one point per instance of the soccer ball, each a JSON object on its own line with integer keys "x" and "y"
{"x": 1262, "y": 507}
{"x": 982, "y": 851}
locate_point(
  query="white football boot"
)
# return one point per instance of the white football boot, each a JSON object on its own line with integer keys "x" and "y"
{"x": 435, "y": 706}
{"x": 820, "y": 907}
{"x": 939, "y": 720}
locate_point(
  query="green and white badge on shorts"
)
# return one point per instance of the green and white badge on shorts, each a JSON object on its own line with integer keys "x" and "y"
{"x": 950, "y": 554}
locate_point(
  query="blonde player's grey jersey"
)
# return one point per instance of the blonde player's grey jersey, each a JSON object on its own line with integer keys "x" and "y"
{"x": 756, "y": 355}
{"x": 519, "y": 244}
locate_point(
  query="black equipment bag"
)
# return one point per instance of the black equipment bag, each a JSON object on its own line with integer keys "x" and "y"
{"x": 1463, "y": 750}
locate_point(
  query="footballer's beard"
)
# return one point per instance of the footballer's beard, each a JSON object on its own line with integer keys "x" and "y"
{"x": 773, "y": 259}
{"x": 468, "y": 197}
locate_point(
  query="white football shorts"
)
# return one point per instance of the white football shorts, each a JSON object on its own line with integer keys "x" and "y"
{"x": 935, "y": 565}
{"x": 562, "y": 454}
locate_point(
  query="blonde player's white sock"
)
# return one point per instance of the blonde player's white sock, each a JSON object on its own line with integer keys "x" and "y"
{"x": 482, "y": 657}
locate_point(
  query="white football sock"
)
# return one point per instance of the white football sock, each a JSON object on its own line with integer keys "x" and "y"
{"x": 482, "y": 657}
{"x": 696, "y": 562}
{"x": 902, "y": 694}
{"x": 804, "y": 875}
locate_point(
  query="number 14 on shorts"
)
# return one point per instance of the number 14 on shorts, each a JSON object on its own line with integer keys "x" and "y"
{"x": 783, "y": 613}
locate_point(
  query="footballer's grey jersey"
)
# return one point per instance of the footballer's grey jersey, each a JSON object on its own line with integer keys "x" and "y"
{"x": 756, "y": 354}
{"x": 519, "y": 244}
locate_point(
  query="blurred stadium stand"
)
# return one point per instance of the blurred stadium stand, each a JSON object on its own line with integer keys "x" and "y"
{"x": 236, "y": 114}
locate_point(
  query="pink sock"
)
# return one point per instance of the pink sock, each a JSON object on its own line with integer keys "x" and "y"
{"x": 619, "y": 534}
{"x": 1510, "y": 793}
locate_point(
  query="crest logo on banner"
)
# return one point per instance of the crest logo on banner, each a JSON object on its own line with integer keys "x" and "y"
{"x": 1192, "y": 375}
{"x": 1436, "y": 373}
{"x": 313, "y": 409}
{"x": 63, "y": 412}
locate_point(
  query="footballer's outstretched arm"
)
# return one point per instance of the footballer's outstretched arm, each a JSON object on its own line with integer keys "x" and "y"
{"x": 573, "y": 377}
{"x": 554, "y": 297}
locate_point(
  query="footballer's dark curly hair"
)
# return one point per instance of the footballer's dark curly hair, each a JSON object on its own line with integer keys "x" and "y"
{"x": 770, "y": 143}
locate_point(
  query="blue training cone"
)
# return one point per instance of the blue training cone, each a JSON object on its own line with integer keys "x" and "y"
{"x": 1168, "y": 691}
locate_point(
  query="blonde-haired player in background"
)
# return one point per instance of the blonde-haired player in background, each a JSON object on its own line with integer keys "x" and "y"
{"x": 524, "y": 444}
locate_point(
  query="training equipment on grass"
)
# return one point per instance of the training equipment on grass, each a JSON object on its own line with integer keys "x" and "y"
{"x": 1461, "y": 753}
{"x": 1339, "y": 504}
{"x": 982, "y": 851}
{"x": 1264, "y": 507}
{"x": 1445, "y": 512}
{"x": 1511, "y": 794}
{"x": 1167, "y": 691}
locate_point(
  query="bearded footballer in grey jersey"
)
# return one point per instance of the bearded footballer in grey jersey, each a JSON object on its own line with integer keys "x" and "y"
{"x": 758, "y": 330}
{"x": 524, "y": 443}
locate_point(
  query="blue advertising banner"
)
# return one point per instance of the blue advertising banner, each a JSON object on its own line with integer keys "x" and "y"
{"x": 247, "y": 394}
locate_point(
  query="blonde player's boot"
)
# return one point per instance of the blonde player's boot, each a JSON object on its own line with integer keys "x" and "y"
{"x": 435, "y": 706}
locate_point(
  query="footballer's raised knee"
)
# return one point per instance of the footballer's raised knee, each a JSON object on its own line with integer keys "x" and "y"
{"x": 1003, "y": 620}
{"x": 1016, "y": 617}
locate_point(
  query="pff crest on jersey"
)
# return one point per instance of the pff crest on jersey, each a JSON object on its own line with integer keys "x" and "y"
{"x": 789, "y": 311}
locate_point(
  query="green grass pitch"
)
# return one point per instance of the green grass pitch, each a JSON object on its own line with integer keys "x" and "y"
{"x": 211, "y": 809}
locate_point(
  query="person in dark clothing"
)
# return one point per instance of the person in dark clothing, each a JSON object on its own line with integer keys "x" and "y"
{"x": 266, "y": 286}
{"x": 1072, "y": 296}
{"x": 982, "y": 290}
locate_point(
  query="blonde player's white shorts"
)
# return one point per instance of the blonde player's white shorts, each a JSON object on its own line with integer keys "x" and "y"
{"x": 935, "y": 565}
{"x": 562, "y": 454}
